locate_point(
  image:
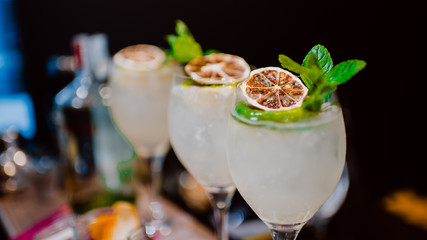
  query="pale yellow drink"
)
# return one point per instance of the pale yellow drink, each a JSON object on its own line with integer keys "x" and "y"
{"x": 198, "y": 118}
{"x": 139, "y": 106}
{"x": 140, "y": 81}
{"x": 286, "y": 171}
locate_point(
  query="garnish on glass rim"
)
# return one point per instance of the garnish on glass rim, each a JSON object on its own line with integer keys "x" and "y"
{"x": 320, "y": 76}
{"x": 209, "y": 68}
{"x": 281, "y": 99}
{"x": 273, "y": 89}
{"x": 218, "y": 68}
{"x": 183, "y": 47}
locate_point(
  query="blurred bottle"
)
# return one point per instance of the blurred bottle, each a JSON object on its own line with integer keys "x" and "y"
{"x": 95, "y": 158}
{"x": 74, "y": 129}
{"x": 113, "y": 154}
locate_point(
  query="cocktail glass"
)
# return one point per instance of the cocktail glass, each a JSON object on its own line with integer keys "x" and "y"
{"x": 139, "y": 108}
{"x": 198, "y": 117}
{"x": 286, "y": 171}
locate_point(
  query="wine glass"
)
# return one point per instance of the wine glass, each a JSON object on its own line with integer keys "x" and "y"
{"x": 286, "y": 171}
{"x": 140, "y": 81}
{"x": 319, "y": 222}
{"x": 198, "y": 117}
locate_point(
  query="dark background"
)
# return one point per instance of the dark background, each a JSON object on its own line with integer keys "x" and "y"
{"x": 382, "y": 104}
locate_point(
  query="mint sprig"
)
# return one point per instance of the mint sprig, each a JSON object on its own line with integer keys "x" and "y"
{"x": 183, "y": 46}
{"x": 320, "y": 76}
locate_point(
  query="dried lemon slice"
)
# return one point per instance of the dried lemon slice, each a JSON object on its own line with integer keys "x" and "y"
{"x": 273, "y": 89}
{"x": 218, "y": 68}
{"x": 141, "y": 57}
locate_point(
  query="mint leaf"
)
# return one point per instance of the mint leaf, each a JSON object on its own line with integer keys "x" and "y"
{"x": 344, "y": 71}
{"x": 327, "y": 88}
{"x": 306, "y": 81}
{"x": 323, "y": 57}
{"x": 313, "y": 72}
{"x": 183, "y": 46}
{"x": 313, "y": 103}
{"x": 290, "y": 64}
{"x": 210, "y": 51}
{"x": 320, "y": 76}
{"x": 310, "y": 74}
{"x": 182, "y": 30}
{"x": 185, "y": 49}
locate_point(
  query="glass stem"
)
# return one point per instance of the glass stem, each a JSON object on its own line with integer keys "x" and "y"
{"x": 149, "y": 174}
{"x": 285, "y": 232}
{"x": 220, "y": 199}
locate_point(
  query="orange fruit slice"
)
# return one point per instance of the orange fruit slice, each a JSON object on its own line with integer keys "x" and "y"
{"x": 273, "y": 89}
{"x": 141, "y": 57}
{"x": 102, "y": 227}
{"x": 115, "y": 225}
{"x": 218, "y": 68}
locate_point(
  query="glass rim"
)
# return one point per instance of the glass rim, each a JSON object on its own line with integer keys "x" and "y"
{"x": 330, "y": 111}
{"x": 181, "y": 76}
{"x": 168, "y": 61}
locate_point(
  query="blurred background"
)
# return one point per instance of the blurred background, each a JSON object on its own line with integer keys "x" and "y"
{"x": 387, "y": 197}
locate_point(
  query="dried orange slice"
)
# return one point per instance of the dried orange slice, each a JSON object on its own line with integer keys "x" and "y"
{"x": 115, "y": 225}
{"x": 141, "y": 57}
{"x": 102, "y": 228}
{"x": 273, "y": 89}
{"x": 218, "y": 68}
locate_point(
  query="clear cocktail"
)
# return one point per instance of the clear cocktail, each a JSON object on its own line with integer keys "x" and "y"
{"x": 141, "y": 80}
{"x": 197, "y": 127}
{"x": 286, "y": 171}
{"x": 287, "y": 140}
{"x": 199, "y": 110}
{"x": 139, "y": 106}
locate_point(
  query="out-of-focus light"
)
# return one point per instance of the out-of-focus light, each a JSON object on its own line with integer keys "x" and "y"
{"x": 9, "y": 169}
{"x": 20, "y": 158}
{"x": 150, "y": 230}
{"x": 77, "y": 103}
{"x": 11, "y": 185}
{"x": 17, "y": 110}
{"x": 186, "y": 181}
{"x": 106, "y": 93}
{"x": 82, "y": 92}
{"x": 65, "y": 63}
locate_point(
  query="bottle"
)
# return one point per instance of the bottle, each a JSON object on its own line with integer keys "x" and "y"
{"x": 73, "y": 120}
{"x": 113, "y": 154}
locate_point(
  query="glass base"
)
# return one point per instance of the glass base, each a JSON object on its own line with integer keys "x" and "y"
{"x": 284, "y": 231}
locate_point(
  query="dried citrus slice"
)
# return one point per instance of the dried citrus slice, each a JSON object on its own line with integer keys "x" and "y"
{"x": 141, "y": 57}
{"x": 218, "y": 68}
{"x": 114, "y": 225}
{"x": 273, "y": 89}
{"x": 102, "y": 227}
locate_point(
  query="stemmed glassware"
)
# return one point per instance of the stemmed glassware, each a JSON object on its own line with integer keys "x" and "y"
{"x": 321, "y": 219}
{"x": 286, "y": 171}
{"x": 140, "y": 81}
{"x": 198, "y": 117}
